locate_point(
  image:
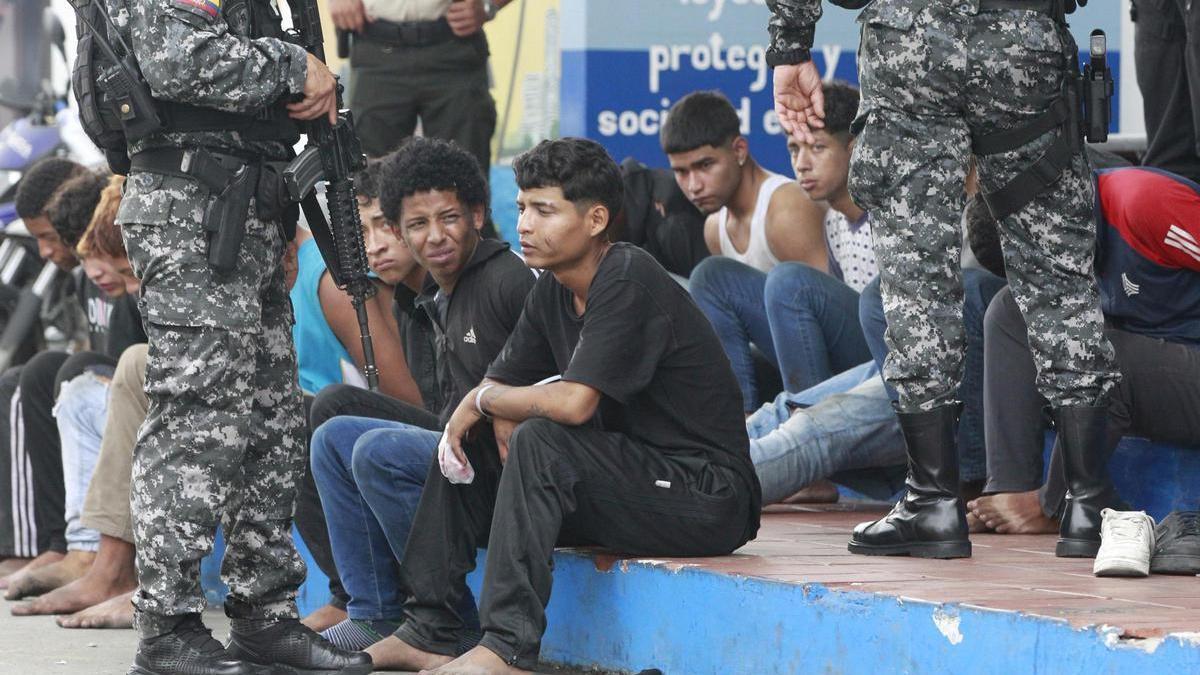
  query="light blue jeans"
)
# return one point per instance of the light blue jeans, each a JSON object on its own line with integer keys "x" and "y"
{"x": 844, "y": 424}
{"x": 80, "y": 413}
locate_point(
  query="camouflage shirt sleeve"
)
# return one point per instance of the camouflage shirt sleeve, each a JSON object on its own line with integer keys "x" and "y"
{"x": 792, "y": 26}
{"x": 188, "y": 55}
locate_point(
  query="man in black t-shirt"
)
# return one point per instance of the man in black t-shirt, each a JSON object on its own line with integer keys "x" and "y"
{"x": 640, "y": 446}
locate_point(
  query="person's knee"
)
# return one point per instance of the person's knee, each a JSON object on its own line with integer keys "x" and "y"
{"x": 130, "y": 374}
{"x": 324, "y": 456}
{"x": 80, "y": 399}
{"x": 40, "y": 371}
{"x": 390, "y": 451}
{"x": 1000, "y": 316}
{"x": 712, "y": 273}
{"x": 790, "y": 281}
{"x": 328, "y": 403}
{"x": 535, "y": 438}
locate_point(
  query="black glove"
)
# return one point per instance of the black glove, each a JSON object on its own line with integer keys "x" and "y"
{"x": 853, "y": 4}
{"x": 1072, "y": 5}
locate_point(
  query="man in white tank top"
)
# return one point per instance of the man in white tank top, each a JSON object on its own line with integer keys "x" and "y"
{"x": 760, "y": 226}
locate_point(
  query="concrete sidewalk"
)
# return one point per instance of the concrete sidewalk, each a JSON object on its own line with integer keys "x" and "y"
{"x": 35, "y": 645}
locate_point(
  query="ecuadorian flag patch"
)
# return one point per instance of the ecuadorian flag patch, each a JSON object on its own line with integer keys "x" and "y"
{"x": 209, "y": 9}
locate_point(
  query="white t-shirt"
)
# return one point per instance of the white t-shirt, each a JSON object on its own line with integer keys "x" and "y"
{"x": 850, "y": 250}
{"x": 406, "y": 10}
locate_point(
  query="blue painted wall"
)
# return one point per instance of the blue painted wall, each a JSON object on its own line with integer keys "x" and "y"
{"x": 624, "y": 62}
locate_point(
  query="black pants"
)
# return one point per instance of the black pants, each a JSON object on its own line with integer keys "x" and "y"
{"x": 1158, "y": 397}
{"x": 1167, "y": 51}
{"x": 333, "y": 401}
{"x": 444, "y": 85}
{"x": 568, "y": 485}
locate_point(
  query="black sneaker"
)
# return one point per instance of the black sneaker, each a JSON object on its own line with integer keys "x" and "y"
{"x": 189, "y": 649}
{"x": 291, "y": 647}
{"x": 1177, "y": 544}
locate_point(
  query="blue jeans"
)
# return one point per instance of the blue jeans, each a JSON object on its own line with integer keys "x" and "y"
{"x": 80, "y": 414}
{"x": 847, "y": 425}
{"x": 979, "y": 287}
{"x": 370, "y": 474}
{"x": 800, "y": 318}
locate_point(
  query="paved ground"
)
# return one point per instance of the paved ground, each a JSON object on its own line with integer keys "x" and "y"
{"x": 37, "y": 646}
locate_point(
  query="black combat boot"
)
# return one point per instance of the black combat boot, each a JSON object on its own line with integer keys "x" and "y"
{"x": 293, "y": 645}
{"x": 929, "y": 521}
{"x": 1082, "y": 439}
{"x": 188, "y": 649}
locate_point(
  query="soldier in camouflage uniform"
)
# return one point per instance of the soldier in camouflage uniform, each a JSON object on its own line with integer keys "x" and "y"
{"x": 940, "y": 77}
{"x": 222, "y": 443}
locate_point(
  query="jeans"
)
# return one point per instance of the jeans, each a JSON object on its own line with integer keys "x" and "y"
{"x": 978, "y": 289}
{"x": 370, "y": 474}
{"x": 800, "y": 318}
{"x": 81, "y": 412}
{"x": 848, "y": 425}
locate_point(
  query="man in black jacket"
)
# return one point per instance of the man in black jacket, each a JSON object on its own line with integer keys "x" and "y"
{"x": 370, "y": 462}
{"x": 634, "y": 440}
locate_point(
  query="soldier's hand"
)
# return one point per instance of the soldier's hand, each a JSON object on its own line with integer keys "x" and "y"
{"x": 320, "y": 94}
{"x": 466, "y": 17}
{"x": 348, "y": 14}
{"x": 799, "y": 102}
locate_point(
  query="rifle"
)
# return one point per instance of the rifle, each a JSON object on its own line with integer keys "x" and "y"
{"x": 332, "y": 155}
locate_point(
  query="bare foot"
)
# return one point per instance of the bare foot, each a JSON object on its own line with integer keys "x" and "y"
{"x": 49, "y": 577}
{"x": 10, "y": 565}
{"x": 111, "y": 574}
{"x": 324, "y": 617}
{"x": 1013, "y": 513}
{"x": 112, "y": 613}
{"x": 478, "y": 661}
{"x": 392, "y": 653}
{"x": 47, "y": 558}
{"x": 975, "y": 525}
{"x": 817, "y": 492}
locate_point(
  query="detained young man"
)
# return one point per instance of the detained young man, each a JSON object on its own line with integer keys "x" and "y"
{"x": 638, "y": 445}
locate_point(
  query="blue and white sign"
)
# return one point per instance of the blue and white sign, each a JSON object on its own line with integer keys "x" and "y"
{"x": 624, "y": 62}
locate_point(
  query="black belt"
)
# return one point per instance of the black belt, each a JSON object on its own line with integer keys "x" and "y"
{"x": 408, "y": 33}
{"x": 1044, "y": 6}
{"x": 214, "y": 170}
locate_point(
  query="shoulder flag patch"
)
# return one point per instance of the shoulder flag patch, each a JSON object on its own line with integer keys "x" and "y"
{"x": 208, "y": 9}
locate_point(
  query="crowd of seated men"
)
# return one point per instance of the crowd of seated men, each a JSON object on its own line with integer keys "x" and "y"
{"x": 573, "y": 388}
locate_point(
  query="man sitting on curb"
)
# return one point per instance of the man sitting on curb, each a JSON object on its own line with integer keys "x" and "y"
{"x": 640, "y": 446}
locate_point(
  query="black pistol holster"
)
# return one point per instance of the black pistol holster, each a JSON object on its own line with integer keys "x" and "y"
{"x": 231, "y": 180}
{"x": 1065, "y": 114}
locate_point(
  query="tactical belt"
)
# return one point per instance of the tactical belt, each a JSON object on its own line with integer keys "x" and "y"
{"x": 214, "y": 170}
{"x": 408, "y": 33}
{"x": 1044, "y": 6}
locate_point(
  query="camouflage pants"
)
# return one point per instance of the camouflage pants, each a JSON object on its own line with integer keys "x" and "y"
{"x": 222, "y": 440}
{"x": 931, "y": 76}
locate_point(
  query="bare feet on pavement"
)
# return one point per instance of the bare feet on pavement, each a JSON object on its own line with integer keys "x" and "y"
{"x": 111, "y": 574}
{"x": 392, "y": 653}
{"x": 1013, "y": 513}
{"x": 817, "y": 492}
{"x": 116, "y": 612}
{"x": 47, "y": 558}
{"x": 49, "y": 577}
{"x": 324, "y": 617}
{"x": 478, "y": 661}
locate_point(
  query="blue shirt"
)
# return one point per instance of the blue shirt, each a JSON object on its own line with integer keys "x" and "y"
{"x": 319, "y": 355}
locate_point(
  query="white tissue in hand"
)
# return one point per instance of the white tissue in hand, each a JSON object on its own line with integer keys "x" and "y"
{"x": 455, "y": 471}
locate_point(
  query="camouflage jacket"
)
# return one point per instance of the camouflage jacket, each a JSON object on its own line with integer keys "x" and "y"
{"x": 188, "y": 54}
{"x": 792, "y": 27}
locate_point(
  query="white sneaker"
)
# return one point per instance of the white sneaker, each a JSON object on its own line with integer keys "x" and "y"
{"x": 1126, "y": 544}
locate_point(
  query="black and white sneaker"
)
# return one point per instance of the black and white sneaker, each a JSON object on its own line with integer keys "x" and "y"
{"x": 1177, "y": 546}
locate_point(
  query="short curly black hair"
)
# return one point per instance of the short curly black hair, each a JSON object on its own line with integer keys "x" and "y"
{"x": 70, "y": 209}
{"x": 841, "y": 106}
{"x": 701, "y": 118}
{"x": 40, "y": 182}
{"x": 366, "y": 180}
{"x": 427, "y": 164}
{"x": 582, "y": 168}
